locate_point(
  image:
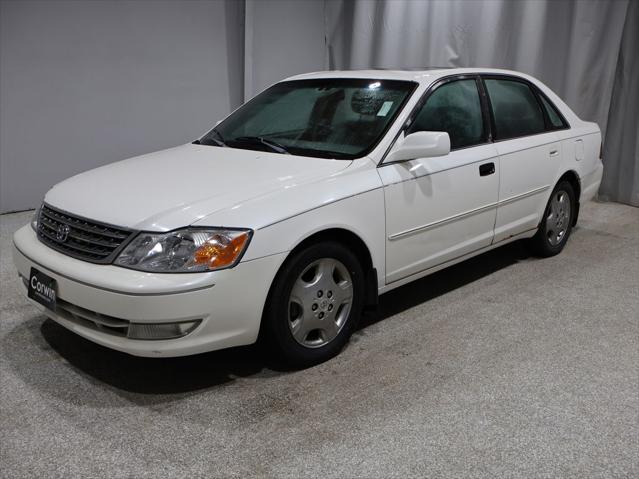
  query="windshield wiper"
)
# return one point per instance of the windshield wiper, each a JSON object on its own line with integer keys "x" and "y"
{"x": 273, "y": 145}
{"x": 208, "y": 139}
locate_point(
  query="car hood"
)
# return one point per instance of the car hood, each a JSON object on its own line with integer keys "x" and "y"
{"x": 177, "y": 187}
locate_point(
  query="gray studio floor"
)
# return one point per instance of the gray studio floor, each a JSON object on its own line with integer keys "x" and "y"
{"x": 504, "y": 365}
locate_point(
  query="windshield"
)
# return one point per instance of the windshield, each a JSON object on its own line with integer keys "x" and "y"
{"x": 328, "y": 118}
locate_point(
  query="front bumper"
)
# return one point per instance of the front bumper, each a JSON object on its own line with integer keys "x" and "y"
{"x": 229, "y": 302}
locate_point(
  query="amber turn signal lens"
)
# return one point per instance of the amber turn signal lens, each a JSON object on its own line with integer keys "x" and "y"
{"x": 220, "y": 251}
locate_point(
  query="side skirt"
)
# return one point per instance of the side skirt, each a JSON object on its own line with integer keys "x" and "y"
{"x": 401, "y": 282}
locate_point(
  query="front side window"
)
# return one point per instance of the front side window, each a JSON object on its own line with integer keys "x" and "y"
{"x": 329, "y": 118}
{"x": 455, "y": 108}
{"x": 515, "y": 109}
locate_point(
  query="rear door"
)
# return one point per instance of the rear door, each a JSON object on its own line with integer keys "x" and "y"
{"x": 529, "y": 154}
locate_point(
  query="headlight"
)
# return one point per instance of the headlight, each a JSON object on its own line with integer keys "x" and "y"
{"x": 35, "y": 218}
{"x": 190, "y": 250}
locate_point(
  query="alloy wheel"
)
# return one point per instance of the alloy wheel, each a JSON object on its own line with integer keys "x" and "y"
{"x": 320, "y": 302}
{"x": 558, "y": 219}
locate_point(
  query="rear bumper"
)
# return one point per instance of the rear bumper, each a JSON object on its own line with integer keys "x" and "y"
{"x": 591, "y": 182}
{"x": 229, "y": 303}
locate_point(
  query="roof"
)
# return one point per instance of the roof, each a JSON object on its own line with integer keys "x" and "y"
{"x": 426, "y": 75}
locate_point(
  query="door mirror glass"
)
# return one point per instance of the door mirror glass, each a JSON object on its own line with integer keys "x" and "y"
{"x": 421, "y": 144}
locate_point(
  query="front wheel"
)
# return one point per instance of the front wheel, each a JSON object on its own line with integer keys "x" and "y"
{"x": 314, "y": 304}
{"x": 556, "y": 224}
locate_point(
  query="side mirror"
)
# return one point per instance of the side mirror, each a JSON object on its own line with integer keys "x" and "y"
{"x": 422, "y": 144}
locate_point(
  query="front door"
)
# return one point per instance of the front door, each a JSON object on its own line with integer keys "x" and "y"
{"x": 439, "y": 209}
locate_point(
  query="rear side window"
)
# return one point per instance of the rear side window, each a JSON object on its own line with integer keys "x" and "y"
{"x": 455, "y": 108}
{"x": 553, "y": 115}
{"x": 515, "y": 109}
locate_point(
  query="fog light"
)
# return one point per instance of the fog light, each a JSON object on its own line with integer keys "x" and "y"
{"x": 161, "y": 330}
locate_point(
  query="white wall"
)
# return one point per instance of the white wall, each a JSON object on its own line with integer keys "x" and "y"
{"x": 85, "y": 83}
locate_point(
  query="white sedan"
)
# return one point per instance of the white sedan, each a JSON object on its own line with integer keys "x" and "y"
{"x": 295, "y": 212}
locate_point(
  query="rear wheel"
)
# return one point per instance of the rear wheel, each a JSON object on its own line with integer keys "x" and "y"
{"x": 556, "y": 224}
{"x": 314, "y": 304}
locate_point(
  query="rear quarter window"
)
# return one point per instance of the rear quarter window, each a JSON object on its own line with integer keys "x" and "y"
{"x": 556, "y": 121}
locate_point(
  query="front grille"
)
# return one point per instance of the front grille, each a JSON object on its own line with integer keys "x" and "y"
{"x": 81, "y": 238}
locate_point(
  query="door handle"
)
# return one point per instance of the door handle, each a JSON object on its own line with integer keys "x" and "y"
{"x": 486, "y": 169}
{"x": 554, "y": 152}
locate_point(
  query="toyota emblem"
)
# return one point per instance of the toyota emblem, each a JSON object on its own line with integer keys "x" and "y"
{"x": 62, "y": 233}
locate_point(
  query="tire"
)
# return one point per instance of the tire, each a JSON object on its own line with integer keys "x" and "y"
{"x": 314, "y": 305}
{"x": 556, "y": 224}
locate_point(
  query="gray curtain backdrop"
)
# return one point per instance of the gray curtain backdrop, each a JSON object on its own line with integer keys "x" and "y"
{"x": 572, "y": 46}
{"x": 621, "y": 148}
{"x": 86, "y": 83}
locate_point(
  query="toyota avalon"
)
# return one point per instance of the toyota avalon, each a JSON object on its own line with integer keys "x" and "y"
{"x": 291, "y": 216}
